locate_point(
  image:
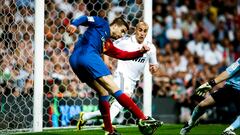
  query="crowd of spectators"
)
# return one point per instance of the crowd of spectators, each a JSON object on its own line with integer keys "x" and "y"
{"x": 195, "y": 40}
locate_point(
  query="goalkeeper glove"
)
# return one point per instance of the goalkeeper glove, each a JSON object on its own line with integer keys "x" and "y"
{"x": 201, "y": 90}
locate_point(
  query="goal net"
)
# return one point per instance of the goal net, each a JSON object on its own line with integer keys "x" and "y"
{"x": 64, "y": 96}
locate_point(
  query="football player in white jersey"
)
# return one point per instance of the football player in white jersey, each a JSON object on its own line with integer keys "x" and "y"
{"x": 128, "y": 72}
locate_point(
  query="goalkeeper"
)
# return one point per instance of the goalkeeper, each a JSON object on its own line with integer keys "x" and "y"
{"x": 229, "y": 92}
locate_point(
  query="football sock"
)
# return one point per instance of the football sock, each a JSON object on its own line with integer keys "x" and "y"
{"x": 104, "y": 108}
{"x": 128, "y": 103}
{"x": 197, "y": 112}
{"x": 115, "y": 109}
{"x": 91, "y": 115}
{"x": 236, "y": 123}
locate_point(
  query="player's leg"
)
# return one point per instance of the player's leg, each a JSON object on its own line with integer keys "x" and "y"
{"x": 90, "y": 115}
{"x": 124, "y": 83}
{"x": 108, "y": 83}
{"x": 198, "y": 111}
{"x": 235, "y": 96}
{"x": 221, "y": 96}
{"x": 104, "y": 105}
{"x": 114, "y": 110}
{"x": 230, "y": 130}
{"x": 88, "y": 67}
{"x": 115, "y": 106}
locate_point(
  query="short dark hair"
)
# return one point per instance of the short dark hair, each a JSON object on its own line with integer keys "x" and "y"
{"x": 120, "y": 21}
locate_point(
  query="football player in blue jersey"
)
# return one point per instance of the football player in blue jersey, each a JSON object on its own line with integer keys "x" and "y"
{"x": 229, "y": 92}
{"x": 88, "y": 65}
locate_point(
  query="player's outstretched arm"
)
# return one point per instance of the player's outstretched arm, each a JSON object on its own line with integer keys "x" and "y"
{"x": 201, "y": 90}
{"x": 71, "y": 29}
{"x": 231, "y": 70}
{"x": 84, "y": 21}
{"x": 112, "y": 51}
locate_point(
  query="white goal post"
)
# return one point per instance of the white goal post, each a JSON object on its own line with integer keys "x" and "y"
{"x": 38, "y": 66}
{"x": 147, "y": 94}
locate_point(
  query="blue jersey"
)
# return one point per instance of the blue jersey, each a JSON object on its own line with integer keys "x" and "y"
{"x": 86, "y": 60}
{"x": 234, "y": 71}
{"x": 95, "y": 36}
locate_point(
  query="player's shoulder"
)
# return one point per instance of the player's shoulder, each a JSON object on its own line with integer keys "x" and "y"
{"x": 97, "y": 20}
{"x": 150, "y": 44}
{"x": 124, "y": 38}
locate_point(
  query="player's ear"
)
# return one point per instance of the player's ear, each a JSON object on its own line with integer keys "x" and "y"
{"x": 114, "y": 25}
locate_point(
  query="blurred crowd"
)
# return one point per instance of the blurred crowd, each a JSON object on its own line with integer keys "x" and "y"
{"x": 195, "y": 40}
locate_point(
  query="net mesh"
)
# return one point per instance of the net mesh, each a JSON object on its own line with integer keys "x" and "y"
{"x": 64, "y": 95}
{"x": 16, "y": 70}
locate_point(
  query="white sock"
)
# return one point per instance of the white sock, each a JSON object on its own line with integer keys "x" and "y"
{"x": 229, "y": 128}
{"x": 91, "y": 115}
{"x": 115, "y": 109}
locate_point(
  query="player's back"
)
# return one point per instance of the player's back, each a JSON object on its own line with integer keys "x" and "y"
{"x": 92, "y": 40}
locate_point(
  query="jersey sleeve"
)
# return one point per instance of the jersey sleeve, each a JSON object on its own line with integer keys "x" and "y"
{"x": 112, "y": 51}
{"x": 153, "y": 55}
{"x": 122, "y": 42}
{"x": 234, "y": 67}
{"x": 87, "y": 21}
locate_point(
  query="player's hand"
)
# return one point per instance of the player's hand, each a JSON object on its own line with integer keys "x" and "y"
{"x": 153, "y": 68}
{"x": 201, "y": 90}
{"x": 144, "y": 49}
{"x": 71, "y": 29}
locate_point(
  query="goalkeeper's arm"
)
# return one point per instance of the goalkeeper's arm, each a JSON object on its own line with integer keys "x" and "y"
{"x": 222, "y": 77}
{"x": 201, "y": 90}
{"x": 231, "y": 70}
{"x": 228, "y": 73}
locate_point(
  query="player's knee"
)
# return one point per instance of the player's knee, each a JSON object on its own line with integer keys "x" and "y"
{"x": 203, "y": 105}
{"x": 102, "y": 92}
{"x": 129, "y": 94}
{"x": 209, "y": 101}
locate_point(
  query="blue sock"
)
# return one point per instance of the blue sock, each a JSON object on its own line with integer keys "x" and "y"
{"x": 104, "y": 98}
{"x": 118, "y": 93}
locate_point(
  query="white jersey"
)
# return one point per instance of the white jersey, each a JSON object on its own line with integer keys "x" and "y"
{"x": 129, "y": 71}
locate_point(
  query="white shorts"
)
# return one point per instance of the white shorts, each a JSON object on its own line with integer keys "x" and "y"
{"x": 124, "y": 83}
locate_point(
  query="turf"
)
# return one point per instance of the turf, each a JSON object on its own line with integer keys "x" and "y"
{"x": 167, "y": 129}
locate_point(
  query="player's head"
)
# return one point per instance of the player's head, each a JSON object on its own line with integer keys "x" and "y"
{"x": 141, "y": 31}
{"x": 118, "y": 27}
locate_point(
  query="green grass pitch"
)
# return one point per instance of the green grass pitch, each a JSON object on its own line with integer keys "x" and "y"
{"x": 166, "y": 129}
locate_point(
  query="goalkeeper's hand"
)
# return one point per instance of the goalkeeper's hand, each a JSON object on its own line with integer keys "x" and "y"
{"x": 201, "y": 90}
